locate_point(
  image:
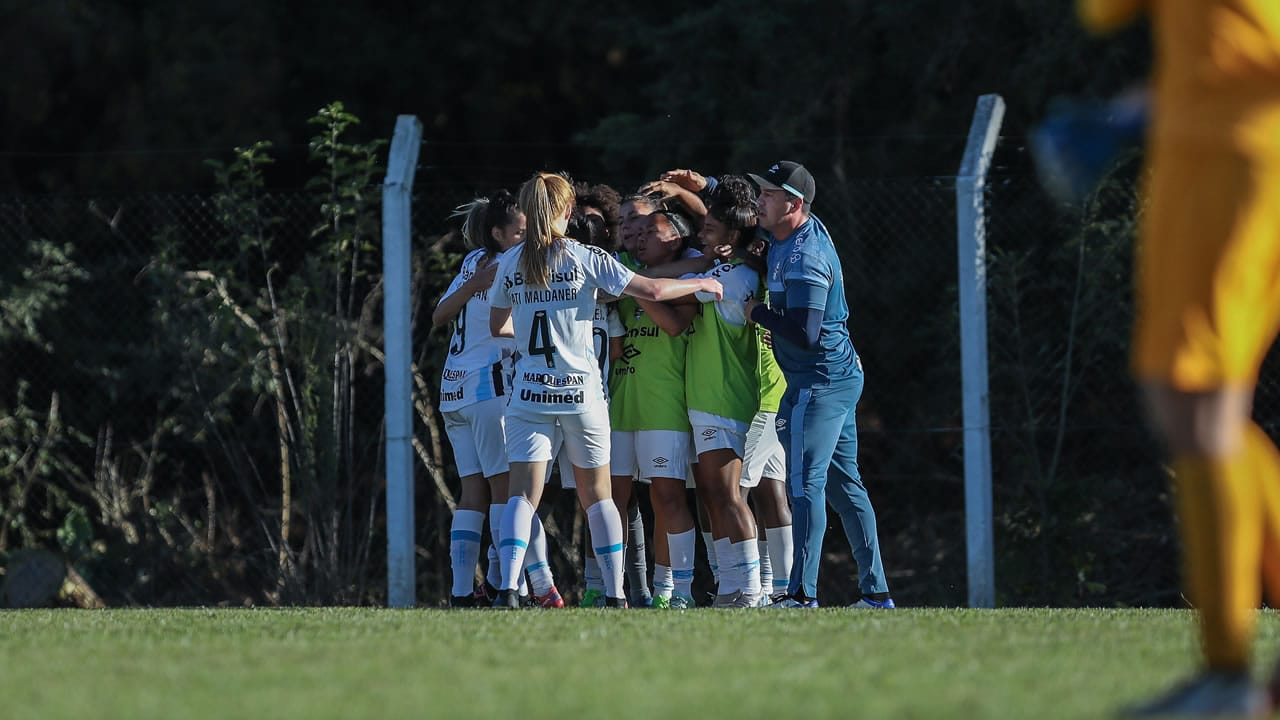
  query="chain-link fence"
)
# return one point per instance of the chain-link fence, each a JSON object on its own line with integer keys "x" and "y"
{"x": 192, "y": 396}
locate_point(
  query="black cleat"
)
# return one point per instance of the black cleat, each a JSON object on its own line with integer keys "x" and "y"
{"x": 507, "y": 600}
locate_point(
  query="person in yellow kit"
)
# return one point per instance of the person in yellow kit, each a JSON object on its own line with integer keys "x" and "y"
{"x": 1208, "y": 309}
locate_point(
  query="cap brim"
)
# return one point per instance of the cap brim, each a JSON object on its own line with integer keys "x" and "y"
{"x": 764, "y": 184}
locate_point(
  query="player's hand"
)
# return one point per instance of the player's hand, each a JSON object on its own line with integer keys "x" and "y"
{"x": 660, "y": 189}
{"x": 713, "y": 286}
{"x": 688, "y": 179}
{"x": 749, "y": 306}
{"x": 766, "y": 337}
{"x": 485, "y": 276}
{"x": 721, "y": 252}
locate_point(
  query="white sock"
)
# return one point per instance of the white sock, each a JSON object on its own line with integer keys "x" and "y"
{"x": 517, "y": 524}
{"x": 746, "y": 565}
{"x": 494, "y": 575}
{"x": 711, "y": 556}
{"x": 591, "y": 573}
{"x": 540, "y": 577}
{"x": 663, "y": 585}
{"x": 730, "y": 574}
{"x": 464, "y": 549}
{"x": 781, "y": 555}
{"x": 766, "y": 567}
{"x": 606, "y": 537}
{"x": 682, "y": 547}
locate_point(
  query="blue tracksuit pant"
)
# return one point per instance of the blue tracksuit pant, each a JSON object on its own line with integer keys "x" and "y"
{"x": 816, "y": 426}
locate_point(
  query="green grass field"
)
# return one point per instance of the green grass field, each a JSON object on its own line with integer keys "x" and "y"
{"x": 578, "y": 664}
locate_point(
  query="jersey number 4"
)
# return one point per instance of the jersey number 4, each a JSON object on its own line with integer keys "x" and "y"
{"x": 540, "y": 338}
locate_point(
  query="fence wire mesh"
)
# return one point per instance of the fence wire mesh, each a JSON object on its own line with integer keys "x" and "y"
{"x": 191, "y": 396}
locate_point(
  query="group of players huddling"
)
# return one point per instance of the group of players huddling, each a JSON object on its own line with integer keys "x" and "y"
{"x": 710, "y": 350}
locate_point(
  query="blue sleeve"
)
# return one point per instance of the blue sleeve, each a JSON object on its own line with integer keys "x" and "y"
{"x": 799, "y": 323}
{"x": 706, "y": 192}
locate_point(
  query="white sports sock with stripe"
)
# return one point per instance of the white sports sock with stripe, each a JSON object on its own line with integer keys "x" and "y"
{"x": 710, "y": 544}
{"x": 766, "y": 567}
{"x": 606, "y": 537}
{"x": 464, "y": 549}
{"x": 591, "y": 573}
{"x": 730, "y": 573}
{"x": 494, "y": 575}
{"x": 746, "y": 565}
{"x": 540, "y": 577}
{"x": 682, "y": 547}
{"x": 781, "y": 555}
{"x": 517, "y": 524}
{"x": 663, "y": 585}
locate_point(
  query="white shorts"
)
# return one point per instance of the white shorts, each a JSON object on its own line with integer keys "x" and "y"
{"x": 719, "y": 437}
{"x": 532, "y": 438}
{"x": 765, "y": 456}
{"x": 478, "y": 436}
{"x": 647, "y": 454}
{"x": 567, "y": 480}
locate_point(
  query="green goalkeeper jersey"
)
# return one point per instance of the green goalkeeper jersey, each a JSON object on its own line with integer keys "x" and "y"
{"x": 721, "y": 375}
{"x": 772, "y": 385}
{"x": 646, "y": 384}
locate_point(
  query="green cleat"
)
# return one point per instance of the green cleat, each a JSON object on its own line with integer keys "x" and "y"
{"x": 592, "y": 598}
{"x": 661, "y": 602}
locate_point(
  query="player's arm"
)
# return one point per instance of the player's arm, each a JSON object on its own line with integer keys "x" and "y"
{"x": 1102, "y": 16}
{"x": 673, "y": 319}
{"x": 452, "y": 303}
{"x": 799, "y": 321}
{"x": 500, "y": 324}
{"x": 663, "y": 289}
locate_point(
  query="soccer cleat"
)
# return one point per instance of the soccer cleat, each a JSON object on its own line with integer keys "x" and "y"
{"x": 551, "y": 600}
{"x": 1209, "y": 694}
{"x": 681, "y": 602}
{"x": 640, "y": 600}
{"x": 592, "y": 598}
{"x": 614, "y": 602}
{"x": 790, "y": 601}
{"x": 735, "y": 599}
{"x": 528, "y": 601}
{"x": 507, "y": 600}
{"x": 661, "y": 602}
{"x": 459, "y": 602}
{"x": 866, "y": 602}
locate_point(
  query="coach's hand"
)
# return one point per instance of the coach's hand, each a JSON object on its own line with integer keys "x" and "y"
{"x": 688, "y": 179}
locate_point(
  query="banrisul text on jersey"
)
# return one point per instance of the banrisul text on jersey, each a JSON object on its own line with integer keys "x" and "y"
{"x": 557, "y": 372}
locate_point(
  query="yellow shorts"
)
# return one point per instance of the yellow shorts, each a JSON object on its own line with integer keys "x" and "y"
{"x": 1208, "y": 267}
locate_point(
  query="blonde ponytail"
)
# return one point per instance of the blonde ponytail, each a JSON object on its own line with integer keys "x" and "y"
{"x": 544, "y": 198}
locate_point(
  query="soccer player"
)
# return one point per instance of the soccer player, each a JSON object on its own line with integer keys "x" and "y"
{"x": 544, "y": 295}
{"x": 1208, "y": 309}
{"x": 806, "y": 316}
{"x": 650, "y": 418}
{"x": 722, "y": 387}
{"x": 473, "y": 386}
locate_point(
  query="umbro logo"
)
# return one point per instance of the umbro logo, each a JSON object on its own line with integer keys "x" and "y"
{"x": 780, "y": 423}
{"x": 660, "y": 462}
{"x": 709, "y": 433}
{"x": 629, "y": 352}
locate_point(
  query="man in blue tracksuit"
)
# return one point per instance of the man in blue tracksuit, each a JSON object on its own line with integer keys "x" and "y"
{"x": 806, "y": 316}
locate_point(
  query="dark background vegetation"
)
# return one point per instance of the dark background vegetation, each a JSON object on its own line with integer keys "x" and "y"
{"x": 189, "y": 351}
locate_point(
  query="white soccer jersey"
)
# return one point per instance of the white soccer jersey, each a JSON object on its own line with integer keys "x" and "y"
{"x": 477, "y": 363}
{"x": 740, "y": 284}
{"x": 557, "y": 372}
{"x": 605, "y": 325}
